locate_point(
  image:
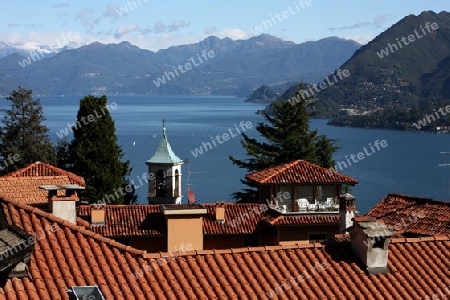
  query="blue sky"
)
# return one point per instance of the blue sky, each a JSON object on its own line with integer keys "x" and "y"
{"x": 153, "y": 25}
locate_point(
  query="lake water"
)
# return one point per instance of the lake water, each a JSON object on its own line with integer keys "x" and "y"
{"x": 407, "y": 165}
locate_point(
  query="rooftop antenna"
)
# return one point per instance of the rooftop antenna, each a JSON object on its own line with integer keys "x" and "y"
{"x": 446, "y": 183}
{"x": 191, "y": 195}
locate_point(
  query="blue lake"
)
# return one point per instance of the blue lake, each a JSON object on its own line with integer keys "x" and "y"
{"x": 407, "y": 165}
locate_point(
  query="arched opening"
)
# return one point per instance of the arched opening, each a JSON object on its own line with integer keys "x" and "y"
{"x": 161, "y": 188}
{"x": 177, "y": 183}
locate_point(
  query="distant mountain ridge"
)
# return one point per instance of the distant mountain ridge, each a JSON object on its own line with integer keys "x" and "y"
{"x": 411, "y": 76}
{"x": 393, "y": 84}
{"x": 237, "y": 67}
{"x": 26, "y": 49}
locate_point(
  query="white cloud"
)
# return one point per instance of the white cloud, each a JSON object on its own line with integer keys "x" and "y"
{"x": 26, "y": 26}
{"x": 60, "y": 5}
{"x": 210, "y": 30}
{"x": 377, "y": 22}
{"x": 86, "y": 17}
{"x": 111, "y": 12}
{"x": 176, "y": 25}
{"x": 234, "y": 33}
{"x": 362, "y": 39}
{"x": 124, "y": 30}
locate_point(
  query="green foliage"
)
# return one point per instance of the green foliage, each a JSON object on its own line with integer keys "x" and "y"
{"x": 95, "y": 154}
{"x": 62, "y": 153}
{"x": 22, "y": 133}
{"x": 286, "y": 137}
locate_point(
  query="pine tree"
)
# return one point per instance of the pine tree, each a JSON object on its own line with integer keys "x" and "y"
{"x": 23, "y": 138}
{"x": 95, "y": 154}
{"x": 286, "y": 137}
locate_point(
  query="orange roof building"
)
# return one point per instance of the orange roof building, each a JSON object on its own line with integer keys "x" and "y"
{"x": 309, "y": 187}
{"x": 413, "y": 216}
{"x": 23, "y": 184}
{"x": 67, "y": 256}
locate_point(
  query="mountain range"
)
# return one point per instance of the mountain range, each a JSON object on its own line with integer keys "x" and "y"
{"x": 233, "y": 67}
{"x": 395, "y": 80}
{"x": 26, "y": 49}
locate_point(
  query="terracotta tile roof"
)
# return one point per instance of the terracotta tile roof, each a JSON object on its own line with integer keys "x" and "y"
{"x": 413, "y": 215}
{"x": 239, "y": 219}
{"x": 24, "y": 183}
{"x": 419, "y": 268}
{"x": 74, "y": 256}
{"x": 26, "y": 189}
{"x": 40, "y": 169}
{"x": 182, "y": 206}
{"x": 148, "y": 220}
{"x": 67, "y": 255}
{"x": 299, "y": 172}
{"x": 128, "y": 220}
{"x": 297, "y": 220}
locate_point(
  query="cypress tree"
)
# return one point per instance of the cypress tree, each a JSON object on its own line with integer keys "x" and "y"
{"x": 95, "y": 154}
{"x": 286, "y": 137}
{"x": 23, "y": 138}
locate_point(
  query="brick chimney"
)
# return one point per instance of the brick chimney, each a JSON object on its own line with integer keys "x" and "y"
{"x": 346, "y": 211}
{"x": 63, "y": 206}
{"x": 370, "y": 242}
{"x": 220, "y": 212}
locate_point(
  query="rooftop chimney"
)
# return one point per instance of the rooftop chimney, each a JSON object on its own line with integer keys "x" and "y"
{"x": 63, "y": 206}
{"x": 370, "y": 242}
{"x": 346, "y": 211}
{"x": 220, "y": 212}
{"x": 98, "y": 214}
{"x": 184, "y": 226}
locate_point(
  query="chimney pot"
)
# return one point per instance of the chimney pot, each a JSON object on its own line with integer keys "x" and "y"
{"x": 220, "y": 211}
{"x": 63, "y": 206}
{"x": 370, "y": 242}
{"x": 346, "y": 211}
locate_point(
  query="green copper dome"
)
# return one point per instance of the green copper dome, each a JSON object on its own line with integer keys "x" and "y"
{"x": 164, "y": 153}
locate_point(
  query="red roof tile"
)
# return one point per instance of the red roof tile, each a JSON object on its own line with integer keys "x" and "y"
{"x": 299, "y": 172}
{"x": 413, "y": 215}
{"x": 67, "y": 255}
{"x": 26, "y": 189}
{"x": 128, "y": 220}
{"x": 239, "y": 219}
{"x": 148, "y": 220}
{"x": 23, "y": 184}
{"x": 291, "y": 271}
{"x": 331, "y": 219}
{"x": 40, "y": 169}
{"x": 74, "y": 256}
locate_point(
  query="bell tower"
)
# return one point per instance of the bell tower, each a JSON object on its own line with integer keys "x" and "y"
{"x": 165, "y": 186}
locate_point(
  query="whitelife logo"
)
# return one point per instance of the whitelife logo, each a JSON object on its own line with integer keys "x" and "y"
{"x": 86, "y": 120}
{"x": 304, "y": 94}
{"x": 266, "y": 24}
{"x": 391, "y": 48}
{"x": 187, "y": 67}
{"x": 221, "y": 138}
{"x": 359, "y": 156}
{"x": 37, "y": 55}
{"x": 431, "y": 118}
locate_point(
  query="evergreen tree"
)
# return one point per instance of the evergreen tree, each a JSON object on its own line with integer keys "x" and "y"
{"x": 23, "y": 139}
{"x": 62, "y": 153}
{"x": 286, "y": 137}
{"x": 95, "y": 154}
